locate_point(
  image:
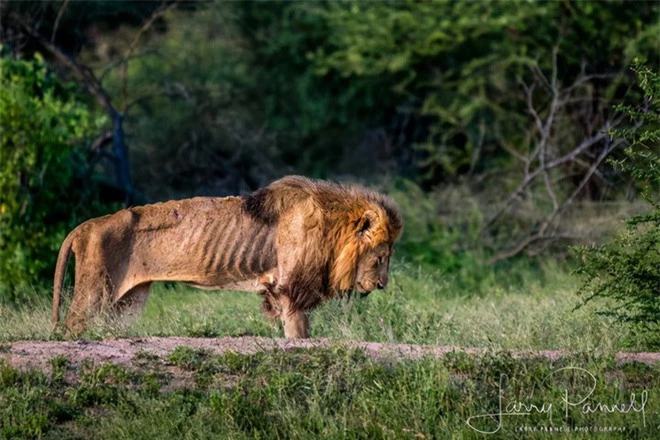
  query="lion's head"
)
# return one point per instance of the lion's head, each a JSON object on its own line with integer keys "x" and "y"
{"x": 365, "y": 245}
{"x": 372, "y": 269}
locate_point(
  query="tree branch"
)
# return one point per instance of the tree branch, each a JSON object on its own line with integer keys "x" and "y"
{"x": 56, "y": 25}
{"x": 540, "y": 234}
{"x": 529, "y": 178}
{"x": 131, "y": 48}
{"x": 542, "y": 158}
{"x": 79, "y": 72}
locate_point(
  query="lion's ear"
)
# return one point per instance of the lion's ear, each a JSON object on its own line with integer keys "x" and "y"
{"x": 366, "y": 222}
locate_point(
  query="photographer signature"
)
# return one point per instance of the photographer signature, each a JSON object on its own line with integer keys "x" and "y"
{"x": 525, "y": 409}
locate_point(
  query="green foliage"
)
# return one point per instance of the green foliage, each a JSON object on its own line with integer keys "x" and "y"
{"x": 316, "y": 118}
{"x": 187, "y": 358}
{"x": 642, "y": 156}
{"x": 237, "y": 119}
{"x": 443, "y": 234}
{"x": 455, "y": 67}
{"x": 626, "y": 270}
{"x": 41, "y": 120}
{"x": 249, "y": 90}
{"x": 193, "y": 125}
{"x": 441, "y": 229}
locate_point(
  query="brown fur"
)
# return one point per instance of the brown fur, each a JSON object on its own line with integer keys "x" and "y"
{"x": 297, "y": 241}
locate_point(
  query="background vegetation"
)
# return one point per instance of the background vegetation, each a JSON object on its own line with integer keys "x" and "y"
{"x": 45, "y": 125}
{"x": 626, "y": 269}
{"x": 500, "y": 127}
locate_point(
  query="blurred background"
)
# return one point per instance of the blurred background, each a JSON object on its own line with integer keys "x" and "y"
{"x": 499, "y": 127}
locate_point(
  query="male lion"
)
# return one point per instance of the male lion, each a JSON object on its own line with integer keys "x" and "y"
{"x": 297, "y": 241}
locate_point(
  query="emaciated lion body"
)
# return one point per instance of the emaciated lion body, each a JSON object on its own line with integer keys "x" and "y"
{"x": 296, "y": 241}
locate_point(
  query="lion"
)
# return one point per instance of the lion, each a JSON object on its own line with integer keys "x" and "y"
{"x": 298, "y": 242}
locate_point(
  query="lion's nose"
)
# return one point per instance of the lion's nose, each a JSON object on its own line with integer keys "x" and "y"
{"x": 380, "y": 285}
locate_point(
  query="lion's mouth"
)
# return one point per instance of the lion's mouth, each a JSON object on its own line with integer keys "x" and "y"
{"x": 362, "y": 290}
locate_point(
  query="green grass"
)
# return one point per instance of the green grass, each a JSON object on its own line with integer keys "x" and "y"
{"x": 336, "y": 392}
{"x": 536, "y": 312}
{"x": 321, "y": 393}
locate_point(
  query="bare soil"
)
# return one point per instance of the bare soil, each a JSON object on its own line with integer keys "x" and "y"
{"x": 37, "y": 354}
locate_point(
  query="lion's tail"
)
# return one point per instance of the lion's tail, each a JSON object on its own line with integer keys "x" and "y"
{"x": 60, "y": 272}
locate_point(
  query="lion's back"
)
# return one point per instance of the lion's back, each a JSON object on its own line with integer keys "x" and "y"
{"x": 173, "y": 213}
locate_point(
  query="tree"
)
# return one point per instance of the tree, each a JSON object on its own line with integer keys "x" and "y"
{"x": 45, "y": 123}
{"x": 511, "y": 99}
{"x": 28, "y": 23}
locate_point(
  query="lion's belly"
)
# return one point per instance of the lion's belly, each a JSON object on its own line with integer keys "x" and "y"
{"x": 252, "y": 285}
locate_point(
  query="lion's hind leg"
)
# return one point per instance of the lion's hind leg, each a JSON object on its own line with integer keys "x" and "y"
{"x": 87, "y": 300}
{"x": 130, "y": 305}
{"x": 93, "y": 284}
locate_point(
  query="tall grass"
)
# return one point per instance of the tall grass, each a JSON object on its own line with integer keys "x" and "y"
{"x": 532, "y": 311}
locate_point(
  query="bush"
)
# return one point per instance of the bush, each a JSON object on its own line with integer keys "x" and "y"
{"x": 40, "y": 120}
{"x": 229, "y": 95}
{"x": 442, "y": 233}
{"x": 626, "y": 270}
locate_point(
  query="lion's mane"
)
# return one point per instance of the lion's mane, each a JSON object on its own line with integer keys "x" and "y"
{"x": 336, "y": 234}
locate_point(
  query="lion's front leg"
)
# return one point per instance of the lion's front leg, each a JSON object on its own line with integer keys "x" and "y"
{"x": 296, "y": 325}
{"x": 296, "y": 322}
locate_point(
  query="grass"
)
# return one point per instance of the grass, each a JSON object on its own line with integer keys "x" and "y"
{"x": 337, "y": 392}
{"x": 418, "y": 307}
{"x": 324, "y": 393}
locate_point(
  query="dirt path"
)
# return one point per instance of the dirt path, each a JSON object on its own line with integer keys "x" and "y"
{"x": 36, "y": 354}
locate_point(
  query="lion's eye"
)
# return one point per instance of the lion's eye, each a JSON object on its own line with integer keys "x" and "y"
{"x": 381, "y": 260}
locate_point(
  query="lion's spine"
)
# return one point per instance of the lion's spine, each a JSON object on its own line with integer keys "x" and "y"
{"x": 60, "y": 272}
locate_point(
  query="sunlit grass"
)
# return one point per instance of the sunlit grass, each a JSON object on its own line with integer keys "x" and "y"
{"x": 418, "y": 307}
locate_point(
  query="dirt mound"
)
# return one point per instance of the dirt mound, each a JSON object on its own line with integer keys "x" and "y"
{"x": 37, "y": 354}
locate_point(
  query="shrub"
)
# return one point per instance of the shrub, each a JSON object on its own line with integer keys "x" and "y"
{"x": 41, "y": 120}
{"x": 626, "y": 270}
